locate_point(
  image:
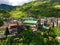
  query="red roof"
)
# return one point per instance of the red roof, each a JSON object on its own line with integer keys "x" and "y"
{"x": 12, "y": 24}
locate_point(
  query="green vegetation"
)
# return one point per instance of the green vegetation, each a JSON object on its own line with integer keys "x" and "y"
{"x": 28, "y": 38}
{"x": 1, "y": 22}
{"x": 4, "y": 13}
{"x": 36, "y": 9}
{"x": 57, "y": 31}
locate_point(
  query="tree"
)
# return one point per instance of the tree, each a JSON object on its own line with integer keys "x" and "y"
{"x": 1, "y": 22}
{"x": 4, "y": 13}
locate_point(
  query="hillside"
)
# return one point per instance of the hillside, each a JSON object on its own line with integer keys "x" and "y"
{"x": 4, "y": 13}
{"x": 7, "y": 7}
{"x": 36, "y": 9}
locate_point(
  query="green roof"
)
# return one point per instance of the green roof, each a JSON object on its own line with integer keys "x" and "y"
{"x": 30, "y": 22}
{"x": 45, "y": 27}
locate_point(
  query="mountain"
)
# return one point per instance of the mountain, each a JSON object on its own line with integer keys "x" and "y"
{"x": 7, "y": 7}
{"x": 36, "y": 9}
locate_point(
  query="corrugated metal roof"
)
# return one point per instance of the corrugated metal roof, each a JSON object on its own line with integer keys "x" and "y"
{"x": 30, "y": 22}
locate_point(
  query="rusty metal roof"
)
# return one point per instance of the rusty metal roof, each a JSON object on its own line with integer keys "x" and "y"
{"x": 12, "y": 24}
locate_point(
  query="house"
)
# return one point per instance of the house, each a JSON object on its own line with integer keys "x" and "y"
{"x": 58, "y": 22}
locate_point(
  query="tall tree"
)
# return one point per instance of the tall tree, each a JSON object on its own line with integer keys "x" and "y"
{"x": 4, "y": 13}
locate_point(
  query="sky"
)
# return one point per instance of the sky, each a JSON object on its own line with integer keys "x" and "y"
{"x": 14, "y": 2}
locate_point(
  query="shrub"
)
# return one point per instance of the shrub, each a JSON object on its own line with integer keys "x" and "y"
{"x": 1, "y": 22}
